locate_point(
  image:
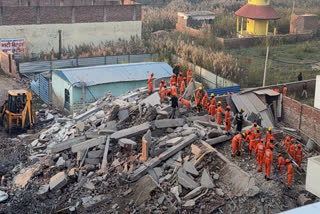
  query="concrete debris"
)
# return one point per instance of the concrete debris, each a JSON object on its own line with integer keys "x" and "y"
{"x": 143, "y": 188}
{"x": 219, "y": 192}
{"x": 61, "y": 162}
{"x": 168, "y": 123}
{"x": 80, "y": 126}
{"x": 189, "y": 167}
{"x": 161, "y": 199}
{"x": 152, "y": 100}
{"x": 90, "y": 201}
{"x": 303, "y": 200}
{"x": 123, "y": 114}
{"x": 189, "y": 204}
{"x": 192, "y": 194}
{"x": 22, "y": 179}
{"x": 218, "y": 140}
{"x": 88, "y": 144}
{"x": 43, "y": 190}
{"x": 131, "y": 132}
{"x": 175, "y": 191}
{"x": 206, "y": 180}
{"x": 58, "y": 181}
{"x": 196, "y": 150}
{"x": 186, "y": 181}
{"x": 59, "y": 147}
{"x": 95, "y": 154}
{"x": 89, "y": 185}
{"x": 127, "y": 144}
{"x": 174, "y": 141}
{"x": 3, "y": 196}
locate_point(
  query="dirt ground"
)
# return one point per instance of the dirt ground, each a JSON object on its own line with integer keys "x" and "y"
{"x": 7, "y": 83}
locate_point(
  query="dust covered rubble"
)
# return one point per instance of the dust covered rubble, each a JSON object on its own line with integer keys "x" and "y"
{"x": 109, "y": 148}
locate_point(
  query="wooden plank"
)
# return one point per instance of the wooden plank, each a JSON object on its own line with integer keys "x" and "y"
{"x": 105, "y": 156}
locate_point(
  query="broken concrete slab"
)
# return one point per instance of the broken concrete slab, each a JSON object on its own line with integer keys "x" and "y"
{"x": 131, "y": 132}
{"x": 189, "y": 204}
{"x": 80, "y": 126}
{"x": 88, "y": 144}
{"x": 61, "y": 162}
{"x": 198, "y": 119}
{"x": 303, "y": 200}
{"x": 189, "y": 167}
{"x": 95, "y": 154}
{"x": 143, "y": 188}
{"x": 105, "y": 156}
{"x": 153, "y": 174}
{"x": 22, "y": 179}
{"x": 158, "y": 171}
{"x": 99, "y": 114}
{"x": 197, "y": 191}
{"x": 206, "y": 180}
{"x": 168, "y": 123}
{"x": 106, "y": 131}
{"x": 186, "y": 181}
{"x": 142, "y": 170}
{"x": 175, "y": 191}
{"x": 218, "y": 140}
{"x": 127, "y": 143}
{"x": 58, "y": 181}
{"x": 55, "y": 148}
{"x": 174, "y": 141}
{"x": 89, "y": 185}
{"x": 151, "y": 100}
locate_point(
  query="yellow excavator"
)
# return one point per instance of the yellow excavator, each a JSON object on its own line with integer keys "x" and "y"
{"x": 17, "y": 111}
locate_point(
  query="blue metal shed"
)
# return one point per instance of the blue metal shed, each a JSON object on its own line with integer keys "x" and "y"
{"x": 118, "y": 79}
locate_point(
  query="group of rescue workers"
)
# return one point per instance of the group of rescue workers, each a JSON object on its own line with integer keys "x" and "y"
{"x": 262, "y": 148}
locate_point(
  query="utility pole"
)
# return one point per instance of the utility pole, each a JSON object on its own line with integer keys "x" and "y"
{"x": 265, "y": 68}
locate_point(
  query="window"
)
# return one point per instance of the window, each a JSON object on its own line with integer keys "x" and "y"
{"x": 83, "y": 2}
{"x": 61, "y": 2}
{"x": 53, "y": 2}
{"x": 29, "y": 3}
{"x": 20, "y": 2}
{"x": 67, "y": 99}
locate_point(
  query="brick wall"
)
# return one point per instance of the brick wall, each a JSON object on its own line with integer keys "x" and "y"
{"x": 63, "y": 15}
{"x": 301, "y": 117}
{"x": 303, "y": 24}
{"x": 14, "y": 3}
{"x": 4, "y": 65}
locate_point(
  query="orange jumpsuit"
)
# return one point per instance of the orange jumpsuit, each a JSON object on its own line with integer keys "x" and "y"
{"x": 213, "y": 102}
{"x": 268, "y": 160}
{"x": 168, "y": 92}
{"x": 172, "y": 80}
{"x": 227, "y": 120}
{"x": 257, "y": 138}
{"x": 219, "y": 114}
{"x": 205, "y": 101}
{"x": 286, "y": 144}
{"x": 162, "y": 93}
{"x": 186, "y": 103}
{"x": 292, "y": 151}
{"x": 236, "y": 142}
{"x": 284, "y": 91}
{"x": 150, "y": 86}
{"x": 281, "y": 164}
{"x": 268, "y": 136}
{"x": 198, "y": 97}
{"x": 182, "y": 88}
{"x": 174, "y": 90}
{"x": 212, "y": 111}
{"x": 160, "y": 86}
{"x": 189, "y": 76}
{"x": 179, "y": 81}
{"x": 298, "y": 156}
{"x": 289, "y": 174}
{"x": 260, "y": 153}
{"x": 268, "y": 144}
{"x": 251, "y": 138}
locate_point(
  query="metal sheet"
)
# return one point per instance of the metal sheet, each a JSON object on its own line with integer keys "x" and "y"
{"x": 309, "y": 209}
{"x": 268, "y": 92}
{"x": 115, "y": 73}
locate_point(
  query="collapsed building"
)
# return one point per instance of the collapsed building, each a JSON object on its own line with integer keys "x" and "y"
{"x": 123, "y": 154}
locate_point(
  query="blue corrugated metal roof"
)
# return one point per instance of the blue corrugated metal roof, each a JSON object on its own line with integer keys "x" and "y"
{"x": 225, "y": 90}
{"x": 308, "y": 209}
{"x": 114, "y": 73}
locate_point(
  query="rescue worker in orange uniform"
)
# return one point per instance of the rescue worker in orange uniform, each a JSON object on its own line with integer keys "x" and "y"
{"x": 281, "y": 164}
{"x": 219, "y": 113}
{"x": 172, "y": 79}
{"x": 174, "y": 89}
{"x": 286, "y": 143}
{"x": 292, "y": 149}
{"x": 257, "y": 138}
{"x": 227, "y": 119}
{"x": 161, "y": 85}
{"x": 182, "y": 88}
{"x": 254, "y": 128}
{"x": 212, "y": 111}
{"x": 162, "y": 92}
{"x": 250, "y": 137}
{"x": 189, "y": 76}
{"x": 213, "y": 100}
{"x": 150, "y": 86}
{"x": 289, "y": 172}
{"x": 284, "y": 90}
{"x": 299, "y": 155}
{"x": 268, "y": 160}
{"x": 260, "y": 149}
{"x": 185, "y": 102}
{"x": 199, "y": 95}
{"x": 168, "y": 91}
{"x": 205, "y": 101}
{"x": 236, "y": 144}
{"x": 270, "y": 142}
{"x": 179, "y": 79}
{"x": 268, "y": 135}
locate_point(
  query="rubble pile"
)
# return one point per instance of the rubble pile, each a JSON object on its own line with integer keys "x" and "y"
{"x": 123, "y": 155}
